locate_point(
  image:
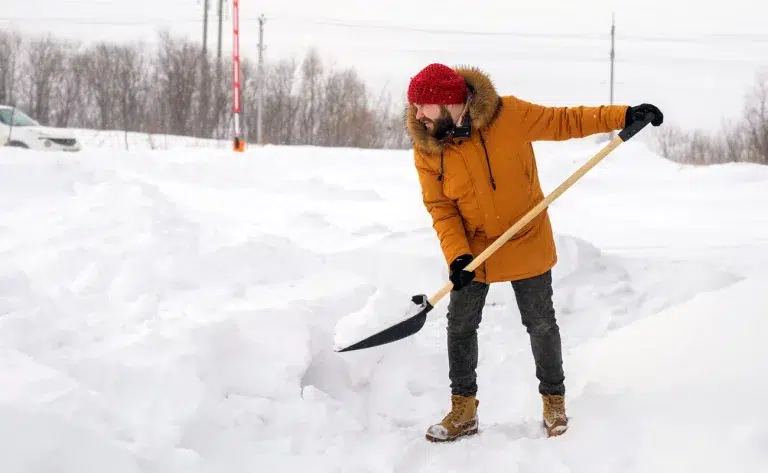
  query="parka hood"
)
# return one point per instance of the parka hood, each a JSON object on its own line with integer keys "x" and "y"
{"x": 484, "y": 107}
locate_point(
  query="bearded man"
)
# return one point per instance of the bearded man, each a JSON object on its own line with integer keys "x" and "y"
{"x": 477, "y": 170}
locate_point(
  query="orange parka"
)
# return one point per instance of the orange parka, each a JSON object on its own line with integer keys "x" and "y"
{"x": 476, "y": 188}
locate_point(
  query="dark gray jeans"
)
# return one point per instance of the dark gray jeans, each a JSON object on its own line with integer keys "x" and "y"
{"x": 534, "y": 299}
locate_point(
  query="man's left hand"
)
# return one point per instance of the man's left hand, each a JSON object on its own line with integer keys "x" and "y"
{"x": 639, "y": 112}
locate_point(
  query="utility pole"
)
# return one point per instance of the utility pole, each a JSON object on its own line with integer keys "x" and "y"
{"x": 613, "y": 56}
{"x": 217, "y": 96}
{"x": 205, "y": 28}
{"x": 221, "y": 19}
{"x": 613, "y": 51}
{"x": 260, "y": 87}
{"x": 205, "y": 103}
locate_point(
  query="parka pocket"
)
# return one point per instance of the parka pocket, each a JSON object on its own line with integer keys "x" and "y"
{"x": 524, "y": 169}
{"x": 456, "y": 187}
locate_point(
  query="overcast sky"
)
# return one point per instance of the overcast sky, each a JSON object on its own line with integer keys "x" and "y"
{"x": 696, "y": 61}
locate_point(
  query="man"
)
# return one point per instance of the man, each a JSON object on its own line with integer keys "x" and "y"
{"x": 478, "y": 176}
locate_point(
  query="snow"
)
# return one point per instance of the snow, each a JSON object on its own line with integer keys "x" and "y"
{"x": 176, "y": 310}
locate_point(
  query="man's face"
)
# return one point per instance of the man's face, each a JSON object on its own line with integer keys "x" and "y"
{"x": 436, "y": 118}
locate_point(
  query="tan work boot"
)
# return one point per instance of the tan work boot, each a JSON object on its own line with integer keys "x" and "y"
{"x": 555, "y": 420}
{"x": 462, "y": 420}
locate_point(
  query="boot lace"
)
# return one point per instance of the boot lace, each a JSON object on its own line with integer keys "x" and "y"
{"x": 555, "y": 406}
{"x": 457, "y": 410}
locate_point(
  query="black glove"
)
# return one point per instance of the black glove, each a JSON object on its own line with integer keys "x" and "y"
{"x": 638, "y": 113}
{"x": 458, "y": 275}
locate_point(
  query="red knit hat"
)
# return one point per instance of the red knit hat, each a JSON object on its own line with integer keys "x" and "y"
{"x": 437, "y": 84}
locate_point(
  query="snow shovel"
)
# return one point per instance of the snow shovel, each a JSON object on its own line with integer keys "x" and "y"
{"x": 416, "y": 316}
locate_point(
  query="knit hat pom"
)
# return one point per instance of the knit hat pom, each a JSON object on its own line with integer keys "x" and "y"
{"x": 437, "y": 84}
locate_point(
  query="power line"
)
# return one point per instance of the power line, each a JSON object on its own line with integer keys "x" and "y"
{"x": 585, "y": 36}
{"x": 347, "y": 24}
{"x": 530, "y": 55}
{"x": 699, "y": 38}
{"x": 512, "y": 54}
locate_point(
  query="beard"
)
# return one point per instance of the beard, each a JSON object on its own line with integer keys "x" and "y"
{"x": 442, "y": 126}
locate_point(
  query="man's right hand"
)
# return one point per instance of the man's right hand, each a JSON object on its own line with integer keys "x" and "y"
{"x": 458, "y": 275}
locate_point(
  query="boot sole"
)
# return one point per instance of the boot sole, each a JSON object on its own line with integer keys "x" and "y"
{"x": 555, "y": 430}
{"x": 466, "y": 433}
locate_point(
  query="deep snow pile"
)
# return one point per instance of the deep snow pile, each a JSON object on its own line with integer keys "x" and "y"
{"x": 175, "y": 311}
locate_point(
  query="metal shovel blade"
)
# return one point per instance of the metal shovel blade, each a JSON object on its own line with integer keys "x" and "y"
{"x": 400, "y": 330}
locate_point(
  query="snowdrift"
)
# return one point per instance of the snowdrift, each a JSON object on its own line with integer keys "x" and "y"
{"x": 173, "y": 311}
{"x": 679, "y": 390}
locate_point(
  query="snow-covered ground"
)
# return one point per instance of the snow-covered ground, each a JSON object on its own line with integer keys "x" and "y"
{"x": 135, "y": 141}
{"x": 173, "y": 311}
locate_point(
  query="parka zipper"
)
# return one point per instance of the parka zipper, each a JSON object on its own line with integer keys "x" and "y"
{"x": 487, "y": 160}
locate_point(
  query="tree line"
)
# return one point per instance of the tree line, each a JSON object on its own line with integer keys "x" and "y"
{"x": 173, "y": 88}
{"x": 742, "y": 140}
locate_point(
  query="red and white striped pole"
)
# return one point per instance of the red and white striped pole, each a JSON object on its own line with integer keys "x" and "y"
{"x": 239, "y": 144}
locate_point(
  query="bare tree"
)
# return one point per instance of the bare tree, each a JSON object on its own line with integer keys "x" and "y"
{"x": 336, "y": 110}
{"x": 281, "y": 106}
{"x": 10, "y": 60}
{"x": 310, "y": 89}
{"x": 69, "y": 101}
{"x": 45, "y": 69}
{"x": 221, "y": 92}
{"x": 178, "y": 76}
{"x": 99, "y": 73}
{"x": 756, "y": 122}
{"x": 391, "y": 129}
{"x": 133, "y": 85}
{"x": 349, "y": 119}
{"x": 733, "y": 145}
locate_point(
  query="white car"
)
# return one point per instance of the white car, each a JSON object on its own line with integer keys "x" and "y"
{"x": 18, "y": 129}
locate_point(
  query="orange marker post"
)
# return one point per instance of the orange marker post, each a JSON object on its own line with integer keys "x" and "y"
{"x": 239, "y": 143}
